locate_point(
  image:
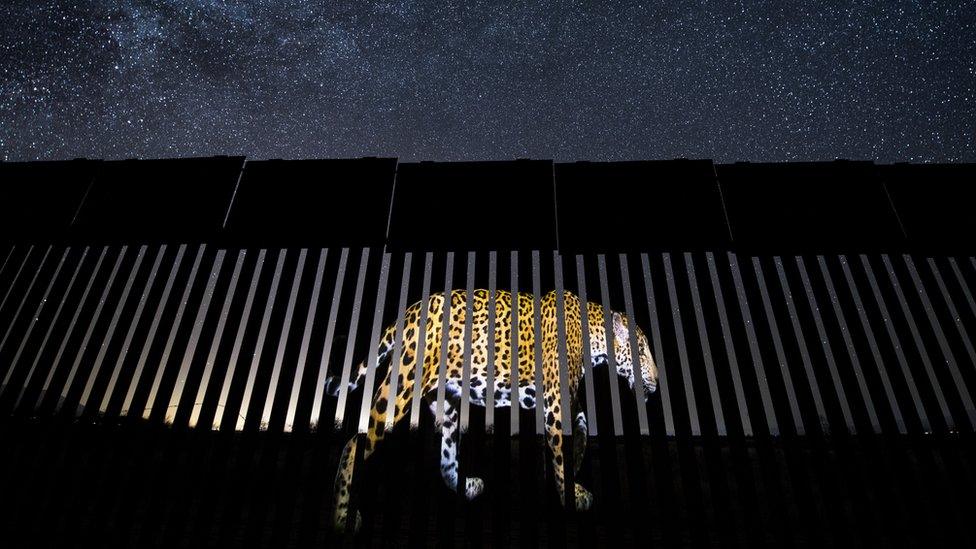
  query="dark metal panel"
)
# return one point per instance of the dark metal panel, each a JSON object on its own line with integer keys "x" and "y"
{"x": 778, "y": 346}
{"x": 218, "y": 336}
{"x": 713, "y": 389}
{"x": 740, "y": 397}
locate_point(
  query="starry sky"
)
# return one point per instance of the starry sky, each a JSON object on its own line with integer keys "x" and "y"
{"x": 760, "y": 80}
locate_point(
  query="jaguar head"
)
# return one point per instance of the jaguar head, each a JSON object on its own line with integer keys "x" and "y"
{"x": 624, "y": 355}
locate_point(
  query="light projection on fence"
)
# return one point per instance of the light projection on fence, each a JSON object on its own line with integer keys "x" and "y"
{"x": 465, "y": 371}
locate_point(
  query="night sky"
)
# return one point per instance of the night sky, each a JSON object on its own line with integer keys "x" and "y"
{"x": 756, "y": 80}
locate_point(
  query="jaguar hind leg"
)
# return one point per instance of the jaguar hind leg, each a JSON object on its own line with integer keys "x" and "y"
{"x": 343, "y": 484}
{"x": 473, "y": 486}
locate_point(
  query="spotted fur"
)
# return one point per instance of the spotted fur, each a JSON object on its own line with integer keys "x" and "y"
{"x": 478, "y": 378}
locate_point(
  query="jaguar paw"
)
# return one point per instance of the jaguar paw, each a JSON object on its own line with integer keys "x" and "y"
{"x": 584, "y": 499}
{"x": 473, "y": 486}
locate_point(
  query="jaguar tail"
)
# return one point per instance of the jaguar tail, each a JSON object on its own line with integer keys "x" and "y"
{"x": 332, "y": 383}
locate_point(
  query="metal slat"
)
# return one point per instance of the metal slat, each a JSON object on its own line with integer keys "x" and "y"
{"x": 851, "y": 350}
{"x": 466, "y": 359}
{"x": 283, "y": 340}
{"x": 618, "y": 426}
{"x": 13, "y": 281}
{"x": 133, "y": 324}
{"x": 778, "y": 346}
{"x": 215, "y": 344}
{"x": 157, "y": 317}
{"x": 89, "y": 384}
{"x": 329, "y": 334}
{"x": 91, "y": 328}
{"x": 896, "y": 345}
{"x": 445, "y": 340}
{"x": 372, "y": 364}
{"x": 50, "y": 329}
{"x": 953, "y": 312}
{"x": 723, "y": 317}
{"x": 679, "y": 332}
{"x": 540, "y": 389}
{"x": 174, "y": 329}
{"x": 757, "y": 363}
{"x": 306, "y": 339}
{"x": 802, "y": 343}
{"x": 565, "y": 404}
{"x": 514, "y": 377}
{"x": 658, "y": 347}
{"x": 919, "y": 344}
{"x": 587, "y": 358}
{"x": 706, "y": 348}
{"x": 421, "y": 343}
{"x": 238, "y": 340}
{"x": 940, "y": 337}
{"x": 396, "y": 360}
{"x": 33, "y": 323}
{"x": 491, "y": 341}
{"x": 252, "y": 372}
{"x": 23, "y": 301}
{"x": 351, "y": 341}
{"x": 180, "y": 384}
{"x": 873, "y": 344}
{"x": 825, "y": 343}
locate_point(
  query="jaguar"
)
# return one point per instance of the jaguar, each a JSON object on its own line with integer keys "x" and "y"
{"x": 429, "y": 336}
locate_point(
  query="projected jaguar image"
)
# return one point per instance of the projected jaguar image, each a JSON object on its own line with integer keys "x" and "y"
{"x": 425, "y": 328}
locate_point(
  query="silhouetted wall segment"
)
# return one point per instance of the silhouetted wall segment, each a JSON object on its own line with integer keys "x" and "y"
{"x": 167, "y": 327}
